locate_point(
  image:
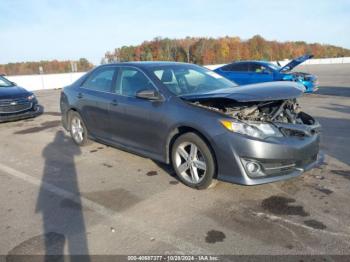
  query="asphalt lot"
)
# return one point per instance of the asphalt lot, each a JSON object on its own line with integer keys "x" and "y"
{"x": 56, "y": 197}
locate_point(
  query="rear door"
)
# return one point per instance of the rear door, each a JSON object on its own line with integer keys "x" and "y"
{"x": 135, "y": 122}
{"x": 237, "y": 72}
{"x": 259, "y": 73}
{"x": 94, "y": 97}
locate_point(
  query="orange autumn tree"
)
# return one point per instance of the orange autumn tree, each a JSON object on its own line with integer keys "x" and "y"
{"x": 203, "y": 50}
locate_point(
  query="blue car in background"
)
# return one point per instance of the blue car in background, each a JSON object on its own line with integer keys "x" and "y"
{"x": 250, "y": 72}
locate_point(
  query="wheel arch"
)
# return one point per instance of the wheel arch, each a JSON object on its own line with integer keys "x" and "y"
{"x": 180, "y": 130}
{"x": 67, "y": 117}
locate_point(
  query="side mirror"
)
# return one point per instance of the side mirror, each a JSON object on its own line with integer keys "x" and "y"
{"x": 13, "y": 83}
{"x": 148, "y": 94}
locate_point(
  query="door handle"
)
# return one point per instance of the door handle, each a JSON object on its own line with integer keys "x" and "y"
{"x": 114, "y": 102}
{"x": 80, "y": 95}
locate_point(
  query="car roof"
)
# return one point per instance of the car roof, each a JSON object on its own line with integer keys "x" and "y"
{"x": 250, "y": 61}
{"x": 145, "y": 64}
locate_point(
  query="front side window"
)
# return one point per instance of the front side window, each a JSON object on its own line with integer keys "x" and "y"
{"x": 100, "y": 80}
{"x": 130, "y": 81}
{"x": 4, "y": 82}
{"x": 257, "y": 68}
{"x": 187, "y": 79}
{"x": 239, "y": 67}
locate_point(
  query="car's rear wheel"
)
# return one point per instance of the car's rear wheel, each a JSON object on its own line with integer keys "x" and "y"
{"x": 78, "y": 129}
{"x": 193, "y": 161}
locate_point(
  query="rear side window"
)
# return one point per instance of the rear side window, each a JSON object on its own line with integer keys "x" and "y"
{"x": 100, "y": 80}
{"x": 130, "y": 81}
{"x": 238, "y": 67}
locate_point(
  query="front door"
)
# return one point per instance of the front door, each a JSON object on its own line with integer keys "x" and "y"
{"x": 135, "y": 122}
{"x": 259, "y": 73}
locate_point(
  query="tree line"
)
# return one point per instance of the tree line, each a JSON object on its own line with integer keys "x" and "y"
{"x": 205, "y": 51}
{"x": 48, "y": 67}
{"x": 198, "y": 50}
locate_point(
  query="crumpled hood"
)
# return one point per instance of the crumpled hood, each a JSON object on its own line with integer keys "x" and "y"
{"x": 268, "y": 91}
{"x": 13, "y": 92}
{"x": 295, "y": 62}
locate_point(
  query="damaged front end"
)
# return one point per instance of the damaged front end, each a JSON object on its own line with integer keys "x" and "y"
{"x": 269, "y": 137}
{"x": 309, "y": 81}
{"x": 282, "y": 141}
{"x": 264, "y": 119}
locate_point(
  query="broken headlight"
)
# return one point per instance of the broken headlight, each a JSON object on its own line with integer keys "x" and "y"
{"x": 258, "y": 130}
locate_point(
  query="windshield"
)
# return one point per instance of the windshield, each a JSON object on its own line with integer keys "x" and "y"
{"x": 190, "y": 79}
{"x": 4, "y": 82}
{"x": 274, "y": 67}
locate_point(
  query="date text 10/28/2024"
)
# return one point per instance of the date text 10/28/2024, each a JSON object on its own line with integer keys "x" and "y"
{"x": 173, "y": 258}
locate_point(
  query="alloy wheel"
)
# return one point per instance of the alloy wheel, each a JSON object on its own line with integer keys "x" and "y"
{"x": 77, "y": 130}
{"x": 190, "y": 162}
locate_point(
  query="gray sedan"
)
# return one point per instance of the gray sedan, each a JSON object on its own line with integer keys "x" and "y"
{"x": 206, "y": 126}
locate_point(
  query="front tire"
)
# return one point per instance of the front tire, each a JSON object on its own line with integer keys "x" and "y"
{"x": 78, "y": 129}
{"x": 193, "y": 161}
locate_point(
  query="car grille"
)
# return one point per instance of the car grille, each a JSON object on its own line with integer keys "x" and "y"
{"x": 291, "y": 132}
{"x": 8, "y": 106}
{"x": 300, "y": 133}
{"x": 278, "y": 168}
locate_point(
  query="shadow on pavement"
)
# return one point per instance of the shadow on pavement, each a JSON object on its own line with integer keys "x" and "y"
{"x": 335, "y": 140}
{"x": 63, "y": 220}
{"x": 334, "y": 91}
{"x": 338, "y": 108}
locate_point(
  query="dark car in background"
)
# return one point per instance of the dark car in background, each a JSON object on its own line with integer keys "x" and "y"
{"x": 203, "y": 124}
{"x": 16, "y": 102}
{"x": 251, "y": 72}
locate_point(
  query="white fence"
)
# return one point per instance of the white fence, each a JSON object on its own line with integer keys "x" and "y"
{"x": 339, "y": 60}
{"x": 317, "y": 61}
{"x": 54, "y": 81}
{"x": 50, "y": 81}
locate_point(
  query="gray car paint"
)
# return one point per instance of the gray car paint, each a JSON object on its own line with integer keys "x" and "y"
{"x": 149, "y": 127}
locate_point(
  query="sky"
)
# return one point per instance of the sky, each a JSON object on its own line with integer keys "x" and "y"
{"x": 33, "y": 30}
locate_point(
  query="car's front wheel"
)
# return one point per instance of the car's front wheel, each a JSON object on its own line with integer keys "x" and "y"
{"x": 193, "y": 161}
{"x": 77, "y": 129}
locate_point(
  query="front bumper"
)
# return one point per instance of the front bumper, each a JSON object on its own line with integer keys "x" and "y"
{"x": 33, "y": 112}
{"x": 310, "y": 85}
{"x": 279, "y": 158}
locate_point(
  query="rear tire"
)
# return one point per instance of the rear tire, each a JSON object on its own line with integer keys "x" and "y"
{"x": 193, "y": 161}
{"x": 77, "y": 129}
